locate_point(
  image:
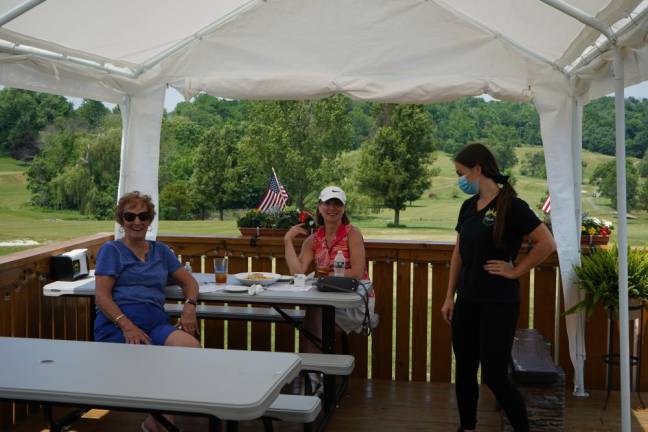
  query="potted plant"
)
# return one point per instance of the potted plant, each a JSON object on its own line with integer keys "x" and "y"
{"x": 595, "y": 231}
{"x": 598, "y": 278}
{"x": 273, "y": 223}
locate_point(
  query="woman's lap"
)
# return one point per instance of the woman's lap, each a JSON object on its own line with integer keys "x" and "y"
{"x": 151, "y": 319}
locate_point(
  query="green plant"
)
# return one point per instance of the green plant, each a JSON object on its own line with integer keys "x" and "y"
{"x": 282, "y": 219}
{"x": 598, "y": 277}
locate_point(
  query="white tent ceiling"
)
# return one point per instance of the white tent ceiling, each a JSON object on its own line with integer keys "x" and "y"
{"x": 127, "y": 51}
{"x": 397, "y": 50}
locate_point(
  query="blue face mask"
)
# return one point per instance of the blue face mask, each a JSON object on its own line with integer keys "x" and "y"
{"x": 467, "y": 186}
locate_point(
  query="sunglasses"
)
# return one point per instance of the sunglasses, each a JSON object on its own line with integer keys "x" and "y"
{"x": 143, "y": 216}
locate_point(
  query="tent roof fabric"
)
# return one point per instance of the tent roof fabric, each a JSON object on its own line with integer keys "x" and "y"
{"x": 392, "y": 50}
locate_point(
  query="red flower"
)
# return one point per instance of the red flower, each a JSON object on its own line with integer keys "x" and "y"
{"x": 305, "y": 217}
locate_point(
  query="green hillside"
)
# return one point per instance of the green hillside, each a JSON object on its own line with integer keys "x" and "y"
{"x": 430, "y": 218}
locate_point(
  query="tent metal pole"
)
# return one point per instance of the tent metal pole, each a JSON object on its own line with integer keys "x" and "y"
{"x": 19, "y": 10}
{"x": 581, "y": 16}
{"x": 622, "y": 237}
{"x": 605, "y": 46}
{"x": 38, "y": 52}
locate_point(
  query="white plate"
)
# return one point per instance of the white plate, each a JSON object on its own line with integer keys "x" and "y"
{"x": 236, "y": 288}
{"x": 247, "y": 278}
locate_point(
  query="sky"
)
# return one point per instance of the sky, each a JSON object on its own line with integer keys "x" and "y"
{"x": 173, "y": 97}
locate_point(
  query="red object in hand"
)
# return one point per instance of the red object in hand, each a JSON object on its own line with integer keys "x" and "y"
{"x": 307, "y": 219}
{"x": 305, "y": 216}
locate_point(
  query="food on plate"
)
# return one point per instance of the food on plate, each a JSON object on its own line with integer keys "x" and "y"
{"x": 257, "y": 277}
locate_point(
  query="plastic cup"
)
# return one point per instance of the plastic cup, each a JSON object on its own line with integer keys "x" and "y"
{"x": 220, "y": 270}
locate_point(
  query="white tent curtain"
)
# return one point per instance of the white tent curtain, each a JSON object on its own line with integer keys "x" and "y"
{"x": 554, "y": 104}
{"x": 140, "y": 148}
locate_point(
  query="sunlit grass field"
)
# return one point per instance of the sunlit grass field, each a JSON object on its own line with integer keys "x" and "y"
{"x": 432, "y": 217}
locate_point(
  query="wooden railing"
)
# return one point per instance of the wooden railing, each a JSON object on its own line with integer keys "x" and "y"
{"x": 412, "y": 342}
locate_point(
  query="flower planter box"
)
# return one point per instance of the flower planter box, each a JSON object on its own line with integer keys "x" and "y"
{"x": 594, "y": 240}
{"x": 263, "y": 232}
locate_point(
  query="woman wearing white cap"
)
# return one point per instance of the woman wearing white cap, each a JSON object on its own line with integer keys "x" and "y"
{"x": 335, "y": 233}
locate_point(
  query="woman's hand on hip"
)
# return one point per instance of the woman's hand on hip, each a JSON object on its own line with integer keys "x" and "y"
{"x": 188, "y": 321}
{"x": 135, "y": 335}
{"x": 501, "y": 268}
{"x": 447, "y": 309}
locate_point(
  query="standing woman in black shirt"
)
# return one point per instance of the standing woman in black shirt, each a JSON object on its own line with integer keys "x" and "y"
{"x": 484, "y": 274}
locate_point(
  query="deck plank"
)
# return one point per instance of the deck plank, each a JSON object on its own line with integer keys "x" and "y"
{"x": 382, "y": 405}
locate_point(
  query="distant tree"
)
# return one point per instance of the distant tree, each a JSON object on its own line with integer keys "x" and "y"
{"x": 604, "y": 178}
{"x": 395, "y": 164}
{"x": 297, "y": 138}
{"x": 176, "y": 201}
{"x": 23, "y": 114}
{"x": 92, "y": 113}
{"x": 502, "y": 141}
{"x": 643, "y": 165}
{"x": 220, "y": 179}
{"x": 643, "y": 195}
{"x": 533, "y": 165}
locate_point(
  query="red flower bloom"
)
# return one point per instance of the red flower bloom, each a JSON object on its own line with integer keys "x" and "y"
{"x": 305, "y": 217}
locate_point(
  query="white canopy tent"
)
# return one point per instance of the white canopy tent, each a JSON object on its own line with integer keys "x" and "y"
{"x": 415, "y": 51}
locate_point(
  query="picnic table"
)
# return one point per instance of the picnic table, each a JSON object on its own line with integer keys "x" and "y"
{"x": 274, "y": 295}
{"x": 226, "y": 385}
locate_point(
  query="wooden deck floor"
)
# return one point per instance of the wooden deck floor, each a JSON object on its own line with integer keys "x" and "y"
{"x": 378, "y": 405}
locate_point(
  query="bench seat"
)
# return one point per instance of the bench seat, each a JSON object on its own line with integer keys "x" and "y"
{"x": 245, "y": 313}
{"x": 328, "y": 364}
{"x": 532, "y": 362}
{"x": 294, "y": 408}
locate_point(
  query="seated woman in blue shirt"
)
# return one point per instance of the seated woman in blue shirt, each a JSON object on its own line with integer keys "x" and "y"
{"x": 131, "y": 274}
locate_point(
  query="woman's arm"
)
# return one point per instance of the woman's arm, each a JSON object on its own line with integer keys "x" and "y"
{"x": 357, "y": 254}
{"x": 455, "y": 267}
{"x": 188, "y": 321}
{"x": 298, "y": 264}
{"x": 103, "y": 299}
{"x": 543, "y": 245}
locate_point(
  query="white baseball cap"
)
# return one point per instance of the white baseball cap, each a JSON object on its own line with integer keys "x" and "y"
{"x": 332, "y": 192}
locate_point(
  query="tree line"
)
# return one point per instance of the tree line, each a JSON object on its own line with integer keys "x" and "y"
{"x": 217, "y": 154}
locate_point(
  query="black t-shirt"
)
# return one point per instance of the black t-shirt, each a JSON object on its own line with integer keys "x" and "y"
{"x": 476, "y": 246}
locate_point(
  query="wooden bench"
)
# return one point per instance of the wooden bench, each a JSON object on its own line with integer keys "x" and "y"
{"x": 541, "y": 382}
{"x": 244, "y": 313}
{"x": 293, "y": 408}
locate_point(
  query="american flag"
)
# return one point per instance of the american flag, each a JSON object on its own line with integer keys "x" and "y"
{"x": 546, "y": 207}
{"x": 276, "y": 197}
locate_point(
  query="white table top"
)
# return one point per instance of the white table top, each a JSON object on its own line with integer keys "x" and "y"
{"x": 229, "y": 384}
{"x": 85, "y": 287}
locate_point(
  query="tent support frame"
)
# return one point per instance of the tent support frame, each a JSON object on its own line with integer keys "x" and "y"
{"x": 19, "y": 10}
{"x": 622, "y": 237}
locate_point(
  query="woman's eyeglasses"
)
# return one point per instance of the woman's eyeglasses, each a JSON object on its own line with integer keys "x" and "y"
{"x": 143, "y": 216}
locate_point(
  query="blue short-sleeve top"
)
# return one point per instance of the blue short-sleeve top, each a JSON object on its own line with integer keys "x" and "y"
{"x": 137, "y": 281}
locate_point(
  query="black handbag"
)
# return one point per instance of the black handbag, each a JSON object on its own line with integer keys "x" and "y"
{"x": 337, "y": 284}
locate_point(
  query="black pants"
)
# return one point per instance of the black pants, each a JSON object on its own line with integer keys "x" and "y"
{"x": 483, "y": 333}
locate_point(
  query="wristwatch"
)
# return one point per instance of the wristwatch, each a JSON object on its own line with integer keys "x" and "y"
{"x": 191, "y": 301}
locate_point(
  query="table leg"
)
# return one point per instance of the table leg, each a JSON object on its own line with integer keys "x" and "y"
{"x": 214, "y": 424}
{"x": 328, "y": 345}
{"x": 93, "y": 315}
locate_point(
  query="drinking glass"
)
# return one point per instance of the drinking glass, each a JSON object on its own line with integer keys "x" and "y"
{"x": 220, "y": 270}
{"x": 322, "y": 263}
